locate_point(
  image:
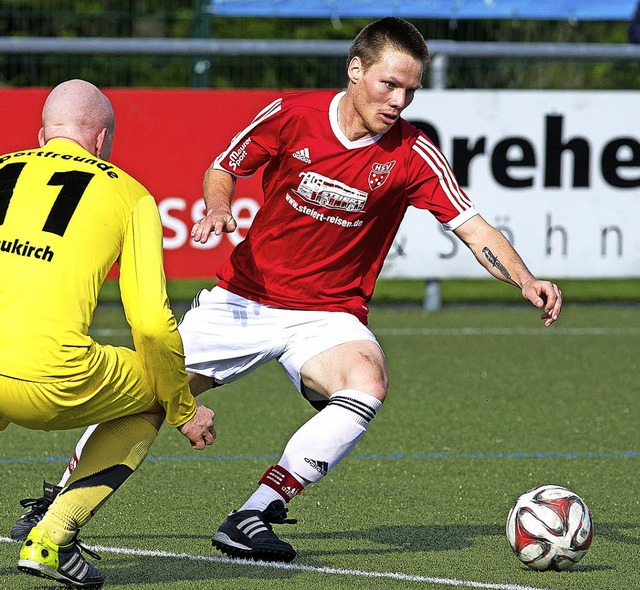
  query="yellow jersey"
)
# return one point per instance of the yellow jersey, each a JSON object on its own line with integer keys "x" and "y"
{"x": 65, "y": 218}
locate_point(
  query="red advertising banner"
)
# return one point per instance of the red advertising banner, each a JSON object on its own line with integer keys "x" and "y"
{"x": 166, "y": 139}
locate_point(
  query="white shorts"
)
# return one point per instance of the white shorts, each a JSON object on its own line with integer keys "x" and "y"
{"x": 226, "y": 336}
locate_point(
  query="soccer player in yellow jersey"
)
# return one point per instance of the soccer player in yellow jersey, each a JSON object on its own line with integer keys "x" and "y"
{"x": 66, "y": 216}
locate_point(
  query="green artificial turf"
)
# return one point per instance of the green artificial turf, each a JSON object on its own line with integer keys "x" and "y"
{"x": 484, "y": 403}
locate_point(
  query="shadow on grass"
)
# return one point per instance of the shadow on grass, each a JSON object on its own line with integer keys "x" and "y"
{"x": 410, "y": 538}
{"x": 627, "y": 534}
{"x": 390, "y": 538}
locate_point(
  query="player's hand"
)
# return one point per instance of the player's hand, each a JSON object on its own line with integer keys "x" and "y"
{"x": 200, "y": 429}
{"x": 546, "y": 295}
{"x": 215, "y": 222}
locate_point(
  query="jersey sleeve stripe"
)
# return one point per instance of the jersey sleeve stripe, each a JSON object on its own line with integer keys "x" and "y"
{"x": 265, "y": 113}
{"x": 440, "y": 166}
{"x": 448, "y": 176}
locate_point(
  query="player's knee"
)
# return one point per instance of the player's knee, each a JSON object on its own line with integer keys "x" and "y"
{"x": 378, "y": 390}
{"x": 371, "y": 378}
{"x": 154, "y": 416}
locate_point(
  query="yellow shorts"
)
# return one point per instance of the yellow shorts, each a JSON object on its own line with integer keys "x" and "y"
{"x": 114, "y": 387}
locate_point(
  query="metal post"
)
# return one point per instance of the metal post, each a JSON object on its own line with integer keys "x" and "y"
{"x": 438, "y": 71}
{"x": 432, "y": 295}
{"x": 201, "y": 30}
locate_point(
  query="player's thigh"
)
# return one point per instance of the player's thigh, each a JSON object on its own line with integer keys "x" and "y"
{"x": 114, "y": 387}
{"x": 23, "y": 403}
{"x": 330, "y": 351}
{"x": 226, "y": 336}
{"x": 117, "y": 388}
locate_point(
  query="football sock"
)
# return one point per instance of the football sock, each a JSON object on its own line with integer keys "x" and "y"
{"x": 111, "y": 454}
{"x": 317, "y": 447}
{"x": 71, "y": 465}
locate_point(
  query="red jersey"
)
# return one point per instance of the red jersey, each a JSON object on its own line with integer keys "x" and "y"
{"x": 332, "y": 206}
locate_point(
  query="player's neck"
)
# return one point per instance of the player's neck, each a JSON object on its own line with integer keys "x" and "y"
{"x": 350, "y": 122}
{"x": 76, "y": 141}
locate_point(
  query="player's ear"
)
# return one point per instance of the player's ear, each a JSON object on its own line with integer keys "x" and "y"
{"x": 355, "y": 69}
{"x": 103, "y": 144}
{"x": 41, "y": 140}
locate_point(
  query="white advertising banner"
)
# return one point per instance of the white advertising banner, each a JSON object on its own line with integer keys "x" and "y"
{"x": 557, "y": 172}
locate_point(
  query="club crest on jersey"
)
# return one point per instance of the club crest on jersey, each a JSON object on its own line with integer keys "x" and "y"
{"x": 379, "y": 174}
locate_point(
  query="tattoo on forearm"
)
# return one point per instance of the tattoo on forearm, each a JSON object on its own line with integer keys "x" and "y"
{"x": 493, "y": 260}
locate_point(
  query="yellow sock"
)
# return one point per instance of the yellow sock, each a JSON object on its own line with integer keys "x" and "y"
{"x": 112, "y": 453}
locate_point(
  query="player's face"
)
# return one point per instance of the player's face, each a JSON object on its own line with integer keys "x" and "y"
{"x": 384, "y": 90}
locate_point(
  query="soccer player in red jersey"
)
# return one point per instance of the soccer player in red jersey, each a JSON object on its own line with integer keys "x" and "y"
{"x": 340, "y": 170}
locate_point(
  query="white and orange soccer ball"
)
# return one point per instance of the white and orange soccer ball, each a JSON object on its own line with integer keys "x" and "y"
{"x": 549, "y": 528}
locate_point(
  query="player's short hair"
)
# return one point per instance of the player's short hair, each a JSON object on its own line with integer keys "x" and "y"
{"x": 388, "y": 32}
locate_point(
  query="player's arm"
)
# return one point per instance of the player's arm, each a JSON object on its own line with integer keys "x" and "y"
{"x": 497, "y": 255}
{"x": 219, "y": 187}
{"x": 146, "y": 305}
{"x": 248, "y": 151}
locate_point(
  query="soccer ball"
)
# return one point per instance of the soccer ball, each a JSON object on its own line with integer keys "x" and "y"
{"x": 549, "y": 528}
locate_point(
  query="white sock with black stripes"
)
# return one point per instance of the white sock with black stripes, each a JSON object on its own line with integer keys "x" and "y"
{"x": 320, "y": 444}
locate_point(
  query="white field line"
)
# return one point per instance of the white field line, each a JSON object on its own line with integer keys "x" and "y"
{"x": 307, "y": 568}
{"x": 484, "y": 331}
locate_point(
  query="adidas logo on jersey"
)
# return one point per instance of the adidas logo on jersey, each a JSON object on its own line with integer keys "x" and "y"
{"x": 320, "y": 466}
{"x": 303, "y": 155}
